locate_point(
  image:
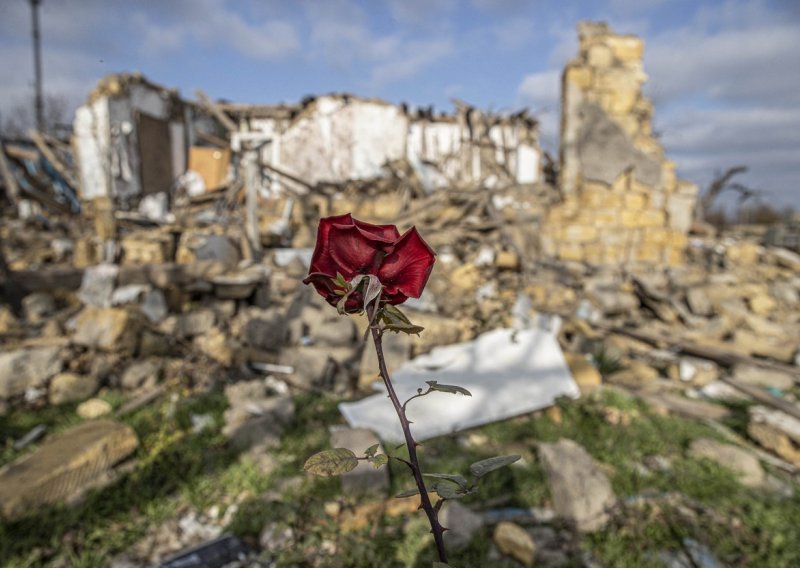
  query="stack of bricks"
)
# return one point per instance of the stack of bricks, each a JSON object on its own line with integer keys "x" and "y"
{"x": 622, "y": 202}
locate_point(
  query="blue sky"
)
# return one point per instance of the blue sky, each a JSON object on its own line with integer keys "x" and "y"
{"x": 724, "y": 75}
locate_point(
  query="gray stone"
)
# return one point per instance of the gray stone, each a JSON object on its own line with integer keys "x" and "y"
{"x": 698, "y": 302}
{"x": 364, "y": 478}
{"x": 263, "y": 329}
{"x": 154, "y": 306}
{"x": 69, "y": 387}
{"x": 514, "y": 541}
{"x": 23, "y": 369}
{"x": 65, "y": 466}
{"x": 740, "y": 461}
{"x": 760, "y": 377}
{"x": 98, "y": 285}
{"x": 194, "y": 323}
{"x": 581, "y": 491}
{"x": 38, "y": 306}
{"x": 786, "y": 258}
{"x": 605, "y": 151}
{"x": 314, "y": 364}
{"x": 613, "y": 302}
{"x": 258, "y": 422}
{"x": 462, "y": 524}
{"x": 217, "y": 247}
{"x": 142, "y": 374}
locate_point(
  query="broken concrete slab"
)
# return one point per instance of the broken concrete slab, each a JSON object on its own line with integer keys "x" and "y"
{"x": 64, "y": 466}
{"x": 22, "y": 369}
{"x": 508, "y": 373}
{"x": 582, "y": 493}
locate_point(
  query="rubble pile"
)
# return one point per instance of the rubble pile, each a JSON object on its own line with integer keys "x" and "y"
{"x": 185, "y": 276}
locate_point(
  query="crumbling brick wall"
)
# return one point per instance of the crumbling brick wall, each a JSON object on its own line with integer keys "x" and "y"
{"x": 622, "y": 202}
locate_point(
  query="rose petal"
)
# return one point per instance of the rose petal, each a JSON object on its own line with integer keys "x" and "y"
{"x": 388, "y": 233}
{"x": 354, "y": 251}
{"x": 321, "y": 260}
{"x": 407, "y": 268}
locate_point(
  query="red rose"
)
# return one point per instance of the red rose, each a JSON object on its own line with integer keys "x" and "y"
{"x": 351, "y": 248}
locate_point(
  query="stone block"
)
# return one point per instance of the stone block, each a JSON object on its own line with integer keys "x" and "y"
{"x": 743, "y": 463}
{"x": 635, "y": 201}
{"x": 215, "y": 344}
{"x": 600, "y": 55}
{"x": 580, "y": 76}
{"x": 107, "y": 329}
{"x": 581, "y": 492}
{"x": 70, "y": 387}
{"x": 22, "y": 369}
{"x": 38, "y": 306}
{"x": 570, "y": 251}
{"x": 648, "y": 253}
{"x": 146, "y": 248}
{"x": 580, "y": 233}
{"x": 626, "y": 48}
{"x": 64, "y": 466}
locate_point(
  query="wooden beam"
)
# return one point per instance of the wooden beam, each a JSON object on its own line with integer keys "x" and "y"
{"x": 50, "y": 156}
{"x": 217, "y": 112}
{"x": 12, "y": 187}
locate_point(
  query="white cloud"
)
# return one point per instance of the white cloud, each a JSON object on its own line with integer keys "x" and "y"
{"x": 541, "y": 92}
{"x": 413, "y": 57}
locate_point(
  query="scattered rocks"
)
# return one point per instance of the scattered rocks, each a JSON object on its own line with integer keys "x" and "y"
{"x": 38, "y": 306}
{"x": 106, "y": 329}
{"x": 585, "y": 374}
{"x": 776, "y": 431}
{"x": 742, "y": 462}
{"x": 759, "y": 376}
{"x": 142, "y": 375}
{"x": 253, "y": 418}
{"x": 581, "y": 491}
{"x": 634, "y": 374}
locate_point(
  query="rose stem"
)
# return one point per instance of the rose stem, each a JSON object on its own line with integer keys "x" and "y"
{"x": 433, "y": 517}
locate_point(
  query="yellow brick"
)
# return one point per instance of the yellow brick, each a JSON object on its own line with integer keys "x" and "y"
{"x": 570, "y": 251}
{"x": 673, "y": 256}
{"x": 580, "y": 233}
{"x": 622, "y": 101}
{"x": 669, "y": 180}
{"x": 635, "y": 200}
{"x": 580, "y": 76}
{"x": 656, "y": 236}
{"x": 600, "y": 55}
{"x": 626, "y": 48}
{"x": 648, "y": 145}
{"x": 652, "y": 218}
{"x": 605, "y": 217}
{"x": 648, "y": 253}
{"x": 594, "y": 253}
{"x": 630, "y": 219}
{"x": 614, "y": 254}
{"x": 677, "y": 239}
{"x": 623, "y": 182}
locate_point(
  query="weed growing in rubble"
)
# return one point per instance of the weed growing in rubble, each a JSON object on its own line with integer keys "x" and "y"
{"x": 359, "y": 267}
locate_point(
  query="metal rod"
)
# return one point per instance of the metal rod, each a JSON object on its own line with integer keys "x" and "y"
{"x": 37, "y": 65}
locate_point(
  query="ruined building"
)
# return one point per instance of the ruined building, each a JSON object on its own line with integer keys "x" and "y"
{"x": 617, "y": 199}
{"x": 622, "y": 202}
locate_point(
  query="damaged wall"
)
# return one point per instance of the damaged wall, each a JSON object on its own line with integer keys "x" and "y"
{"x": 131, "y": 139}
{"x": 614, "y": 174}
{"x": 336, "y": 138}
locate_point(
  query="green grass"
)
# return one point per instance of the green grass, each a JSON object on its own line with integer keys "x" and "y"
{"x": 179, "y": 469}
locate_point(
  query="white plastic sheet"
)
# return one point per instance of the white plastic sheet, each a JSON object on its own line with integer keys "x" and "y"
{"x": 508, "y": 373}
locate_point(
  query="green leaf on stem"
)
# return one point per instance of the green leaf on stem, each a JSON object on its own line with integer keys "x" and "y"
{"x": 371, "y": 451}
{"x": 397, "y": 321}
{"x": 407, "y": 493}
{"x": 481, "y": 468}
{"x": 331, "y": 462}
{"x": 452, "y": 389}
{"x": 379, "y": 460}
{"x": 449, "y": 490}
{"x": 458, "y": 479}
{"x": 340, "y": 281}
